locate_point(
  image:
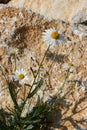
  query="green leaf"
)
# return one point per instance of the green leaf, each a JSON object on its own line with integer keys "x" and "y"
{"x": 28, "y": 85}
{"x": 13, "y": 96}
{"x": 39, "y": 84}
{"x": 34, "y": 75}
{"x": 11, "y": 110}
{"x": 39, "y": 110}
{"x": 29, "y": 127}
{"x": 31, "y": 121}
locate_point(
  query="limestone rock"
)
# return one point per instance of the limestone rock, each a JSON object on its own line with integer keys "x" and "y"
{"x": 22, "y": 29}
{"x": 73, "y": 11}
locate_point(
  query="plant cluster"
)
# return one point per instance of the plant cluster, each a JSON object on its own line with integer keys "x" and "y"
{"x": 35, "y": 119}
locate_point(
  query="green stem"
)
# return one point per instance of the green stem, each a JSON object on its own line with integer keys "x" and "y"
{"x": 56, "y": 53}
{"x": 67, "y": 93}
{"x": 45, "y": 54}
{"x": 10, "y": 90}
{"x": 12, "y": 96}
{"x": 40, "y": 65}
{"x": 36, "y": 76}
{"x": 15, "y": 61}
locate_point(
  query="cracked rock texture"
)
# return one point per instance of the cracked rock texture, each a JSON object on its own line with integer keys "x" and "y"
{"x": 22, "y": 29}
{"x": 73, "y": 11}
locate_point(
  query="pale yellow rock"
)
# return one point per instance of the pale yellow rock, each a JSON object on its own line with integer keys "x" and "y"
{"x": 66, "y": 10}
{"x": 22, "y": 29}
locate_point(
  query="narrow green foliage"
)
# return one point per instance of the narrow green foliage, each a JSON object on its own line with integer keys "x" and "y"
{"x": 37, "y": 87}
{"x": 36, "y": 118}
{"x": 29, "y": 127}
{"x": 33, "y": 119}
{"x": 13, "y": 96}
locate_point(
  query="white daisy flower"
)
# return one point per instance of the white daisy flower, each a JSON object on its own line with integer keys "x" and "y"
{"x": 20, "y": 75}
{"x": 13, "y": 51}
{"x": 69, "y": 66}
{"x": 53, "y": 36}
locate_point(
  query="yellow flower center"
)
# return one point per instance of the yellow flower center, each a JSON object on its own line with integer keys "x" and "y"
{"x": 40, "y": 66}
{"x": 70, "y": 64}
{"x": 21, "y": 76}
{"x": 55, "y": 35}
{"x": 72, "y": 85}
{"x": 14, "y": 51}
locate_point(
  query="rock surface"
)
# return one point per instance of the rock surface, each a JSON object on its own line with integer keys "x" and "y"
{"x": 73, "y": 11}
{"x": 22, "y": 29}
